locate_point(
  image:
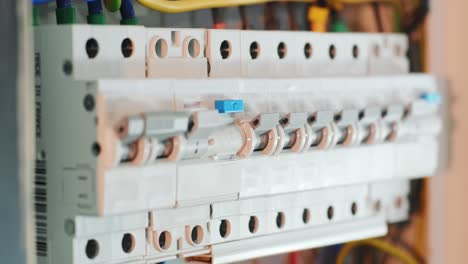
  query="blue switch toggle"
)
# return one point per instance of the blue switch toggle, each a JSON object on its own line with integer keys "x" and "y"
{"x": 431, "y": 97}
{"x": 229, "y": 106}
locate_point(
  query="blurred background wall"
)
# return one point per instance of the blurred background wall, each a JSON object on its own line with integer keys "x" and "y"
{"x": 448, "y": 57}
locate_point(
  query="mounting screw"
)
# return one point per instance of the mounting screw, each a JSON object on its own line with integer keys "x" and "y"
{"x": 67, "y": 67}
{"x": 89, "y": 103}
{"x": 96, "y": 149}
{"x": 70, "y": 227}
{"x": 330, "y": 213}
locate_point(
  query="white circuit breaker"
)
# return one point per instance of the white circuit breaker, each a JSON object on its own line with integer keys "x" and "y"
{"x": 223, "y": 145}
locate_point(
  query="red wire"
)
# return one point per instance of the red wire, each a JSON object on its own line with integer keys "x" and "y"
{"x": 220, "y": 25}
{"x": 293, "y": 257}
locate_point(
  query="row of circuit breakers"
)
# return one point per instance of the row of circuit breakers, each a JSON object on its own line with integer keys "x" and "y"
{"x": 223, "y": 145}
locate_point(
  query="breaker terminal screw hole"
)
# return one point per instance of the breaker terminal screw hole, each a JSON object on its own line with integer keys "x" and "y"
{"x": 398, "y": 202}
{"x": 193, "y": 48}
{"x": 361, "y": 115}
{"x": 406, "y": 112}
{"x": 164, "y": 240}
{"x": 225, "y": 49}
{"x": 67, "y": 67}
{"x": 280, "y": 220}
{"x": 96, "y": 149}
{"x": 312, "y": 119}
{"x": 160, "y": 48}
{"x": 121, "y": 130}
{"x": 355, "y": 51}
{"x": 337, "y": 117}
{"x": 92, "y": 48}
{"x": 88, "y": 102}
{"x": 224, "y": 228}
{"x": 307, "y": 50}
{"x": 127, "y": 48}
{"x": 384, "y": 113}
{"x": 128, "y": 243}
{"x": 306, "y": 216}
{"x": 282, "y": 50}
{"x": 92, "y": 248}
{"x": 255, "y": 123}
{"x": 253, "y": 224}
{"x": 197, "y": 234}
{"x": 354, "y": 208}
{"x": 376, "y": 50}
{"x": 398, "y": 50}
{"x": 254, "y": 50}
{"x": 191, "y": 125}
{"x": 377, "y": 205}
{"x": 332, "y": 52}
{"x": 330, "y": 213}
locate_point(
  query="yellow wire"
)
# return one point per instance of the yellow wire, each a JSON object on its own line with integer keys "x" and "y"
{"x": 395, "y": 3}
{"x": 379, "y": 244}
{"x": 178, "y": 6}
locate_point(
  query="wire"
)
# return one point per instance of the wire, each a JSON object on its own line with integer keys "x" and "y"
{"x": 318, "y": 17}
{"x": 94, "y": 7}
{"x": 95, "y": 14}
{"x": 41, "y": 2}
{"x": 293, "y": 257}
{"x": 378, "y": 16}
{"x": 112, "y": 5}
{"x": 64, "y": 3}
{"x": 395, "y": 3}
{"x": 244, "y": 19}
{"x": 65, "y": 12}
{"x": 379, "y": 244}
{"x": 218, "y": 18}
{"x": 178, "y": 6}
{"x": 292, "y": 24}
{"x": 128, "y": 13}
{"x": 190, "y": 5}
{"x": 418, "y": 16}
{"x": 36, "y": 18}
{"x": 269, "y": 17}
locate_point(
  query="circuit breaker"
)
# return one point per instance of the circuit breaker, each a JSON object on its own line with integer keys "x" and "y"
{"x": 223, "y": 145}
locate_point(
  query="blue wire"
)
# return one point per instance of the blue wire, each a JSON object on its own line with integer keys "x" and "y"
{"x": 64, "y": 3}
{"x": 41, "y": 2}
{"x": 94, "y": 7}
{"x": 126, "y": 9}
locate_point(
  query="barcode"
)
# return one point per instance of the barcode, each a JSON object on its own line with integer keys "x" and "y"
{"x": 40, "y": 206}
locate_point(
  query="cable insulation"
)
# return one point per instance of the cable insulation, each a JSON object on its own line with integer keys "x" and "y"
{"x": 178, "y": 6}
{"x": 379, "y": 244}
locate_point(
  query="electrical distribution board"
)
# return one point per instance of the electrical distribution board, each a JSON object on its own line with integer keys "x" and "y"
{"x": 223, "y": 145}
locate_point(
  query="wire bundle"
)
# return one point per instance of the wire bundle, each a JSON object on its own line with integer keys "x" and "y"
{"x": 66, "y": 14}
{"x": 379, "y": 244}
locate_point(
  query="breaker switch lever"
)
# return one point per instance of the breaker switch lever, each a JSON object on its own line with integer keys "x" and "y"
{"x": 297, "y": 131}
{"x": 347, "y": 131}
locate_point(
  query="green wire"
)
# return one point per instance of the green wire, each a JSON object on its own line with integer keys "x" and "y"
{"x": 397, "y": 24}
{"x": 66, "y": 15}
{"x": 112, "y": 5}
{"x": 35, "y": 16}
